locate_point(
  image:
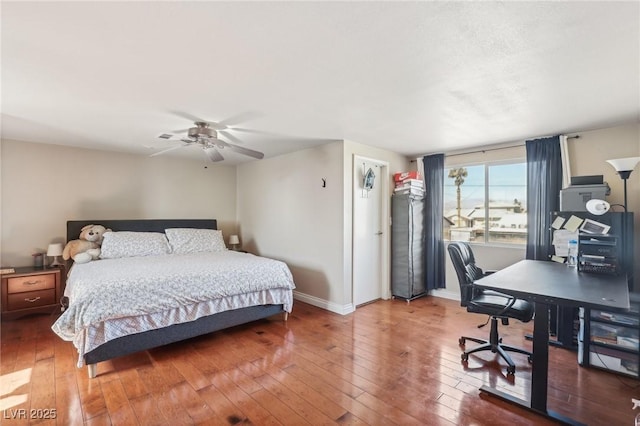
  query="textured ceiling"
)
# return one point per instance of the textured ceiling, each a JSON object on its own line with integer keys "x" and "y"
{"x": 414, "y": 77}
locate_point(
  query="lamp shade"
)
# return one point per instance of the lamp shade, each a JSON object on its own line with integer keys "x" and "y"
{"x": 624, "y": 164}
{"x": 54, "y": 250}
{"x": 233, "y": 239}
{"x": 597, "y": 207}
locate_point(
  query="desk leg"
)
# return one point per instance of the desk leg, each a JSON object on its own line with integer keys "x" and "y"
{"x": 539, "y": 371}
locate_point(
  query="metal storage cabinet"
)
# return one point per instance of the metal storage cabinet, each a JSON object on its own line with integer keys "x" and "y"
{"x": 407, "y": 247}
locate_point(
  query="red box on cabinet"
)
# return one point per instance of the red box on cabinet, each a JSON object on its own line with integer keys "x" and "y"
{"x": 402, "y": 176}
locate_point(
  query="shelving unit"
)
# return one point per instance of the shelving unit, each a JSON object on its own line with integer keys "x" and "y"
{"x": 407, "y": 247}
{"x": 603, "y": 254}
{"x": 611, "y": 340}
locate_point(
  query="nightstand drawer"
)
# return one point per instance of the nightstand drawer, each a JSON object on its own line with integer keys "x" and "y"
{"x": 31, "y": 299}
{"x": 31, "y": 283}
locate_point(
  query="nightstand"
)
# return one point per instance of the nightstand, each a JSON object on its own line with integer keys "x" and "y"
{"x": 31, "y": 290}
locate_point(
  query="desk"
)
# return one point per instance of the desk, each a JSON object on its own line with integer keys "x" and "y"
{"x": 549, "y": 283}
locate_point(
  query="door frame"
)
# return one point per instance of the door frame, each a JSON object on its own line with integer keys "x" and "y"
{"x": 385, "y": 218}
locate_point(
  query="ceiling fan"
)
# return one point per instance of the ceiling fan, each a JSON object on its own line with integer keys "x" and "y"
{"x": 205, "y": 135}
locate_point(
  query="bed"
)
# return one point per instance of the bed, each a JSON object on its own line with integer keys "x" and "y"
{"x": 187, "y": 294}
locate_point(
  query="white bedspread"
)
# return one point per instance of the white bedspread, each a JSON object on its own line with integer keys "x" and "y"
{"x": 111, "y": 298}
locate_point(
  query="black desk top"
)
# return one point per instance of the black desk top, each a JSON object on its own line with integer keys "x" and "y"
{"x": 556, "y": 283}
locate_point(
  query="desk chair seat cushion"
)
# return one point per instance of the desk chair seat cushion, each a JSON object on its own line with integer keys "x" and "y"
{"x": 493, "y": 303}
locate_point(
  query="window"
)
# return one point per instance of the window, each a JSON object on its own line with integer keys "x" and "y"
{"x": 486, "y": 203}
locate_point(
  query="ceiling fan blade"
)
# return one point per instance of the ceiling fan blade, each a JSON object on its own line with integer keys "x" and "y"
{"x": 242, "y": 150}
{"x": 213, "y": 154}
{"x": 257, "y": 132}
{"x": 240, "y": 118}
{"x": 187, "y": 116}
{"x": 169, "y": 136}
{"x": 169, "y": 149}
{"x": 231, "y": 137}
{"x": 194, "y": 119}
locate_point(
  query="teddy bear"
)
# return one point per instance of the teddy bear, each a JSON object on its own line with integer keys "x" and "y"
{"x": 87, "y": 248}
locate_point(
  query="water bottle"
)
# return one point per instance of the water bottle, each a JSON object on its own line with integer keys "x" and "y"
{"x": 572, "y": 255}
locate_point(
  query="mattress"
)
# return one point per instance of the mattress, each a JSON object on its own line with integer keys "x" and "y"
{"x": 111, "y": 298}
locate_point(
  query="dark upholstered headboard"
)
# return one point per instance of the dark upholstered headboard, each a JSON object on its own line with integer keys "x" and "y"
{"x": 140, "y": 225}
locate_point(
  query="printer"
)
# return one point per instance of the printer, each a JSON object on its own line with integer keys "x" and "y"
{"x": 583, "y": 189}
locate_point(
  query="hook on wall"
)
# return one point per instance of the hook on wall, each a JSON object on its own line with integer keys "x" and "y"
{"x": 324, "y": 183}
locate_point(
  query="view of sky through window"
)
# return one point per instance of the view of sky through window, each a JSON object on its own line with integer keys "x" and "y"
{"x": 501, "y": 187}
{"x": 507, "y": 183}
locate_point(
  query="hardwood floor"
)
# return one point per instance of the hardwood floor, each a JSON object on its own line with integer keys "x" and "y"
{"x": 388, "y": 363}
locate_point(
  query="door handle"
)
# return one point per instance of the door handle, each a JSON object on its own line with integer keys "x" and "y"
{"x": 378, "y": 233}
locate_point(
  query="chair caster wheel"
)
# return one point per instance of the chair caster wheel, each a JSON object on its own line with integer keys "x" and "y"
{"x": 461, "y": 341}
{"x": 465, "y": 356}
{"x": 511, "y": 370}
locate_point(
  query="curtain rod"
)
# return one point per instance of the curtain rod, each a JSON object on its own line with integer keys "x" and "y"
{"x": 495, "y": 149}
{"x": 484, "y": 150}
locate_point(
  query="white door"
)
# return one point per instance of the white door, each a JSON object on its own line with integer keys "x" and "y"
{"x": 369, "y": 233}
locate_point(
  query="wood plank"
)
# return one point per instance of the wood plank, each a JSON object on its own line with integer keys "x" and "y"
{"x": 231, "y": 384}
{"x": 43, "y": 397}
{"x": 195, "y": 406}
{"x": 133, "y": 386}
{"x": 146, "y": 410}
{"x": 293, "y": 400}
{"x": 90, "y": 391}
{"x": 68, "y": 404}
{"x": 224, "y": 410}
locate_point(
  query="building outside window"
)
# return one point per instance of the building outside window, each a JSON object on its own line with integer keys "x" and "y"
{"x": 486, "y": 203}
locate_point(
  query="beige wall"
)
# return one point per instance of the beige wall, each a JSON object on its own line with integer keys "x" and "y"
{"x": 285, "y": 213}
{"x": 43, "y": 186}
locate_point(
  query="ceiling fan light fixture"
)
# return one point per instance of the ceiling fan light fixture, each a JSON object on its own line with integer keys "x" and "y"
{"x": 202, "y": 130}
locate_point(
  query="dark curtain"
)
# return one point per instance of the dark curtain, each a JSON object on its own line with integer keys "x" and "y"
{"x": 544, "y": 182}
{"x": 433, "y": 222}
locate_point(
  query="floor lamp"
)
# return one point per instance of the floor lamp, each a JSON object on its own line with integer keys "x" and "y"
{"x": 624, "y": 167}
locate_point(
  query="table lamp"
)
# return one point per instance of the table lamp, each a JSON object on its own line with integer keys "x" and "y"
{"x": 55, "y": 250}
{"x": 234, "y": 241}
{"x": 624, "y": 167}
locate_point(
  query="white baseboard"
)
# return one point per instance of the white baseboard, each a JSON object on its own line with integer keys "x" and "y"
{"x": 445, "y": 294}
{"x": 324, "y": 304}
{"x": 349, "y": 308}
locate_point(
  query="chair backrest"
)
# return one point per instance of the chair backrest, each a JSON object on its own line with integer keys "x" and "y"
{"x": 466, "y": 269}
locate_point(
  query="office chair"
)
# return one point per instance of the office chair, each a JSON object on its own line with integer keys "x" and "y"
{"x": 489, "y": 302}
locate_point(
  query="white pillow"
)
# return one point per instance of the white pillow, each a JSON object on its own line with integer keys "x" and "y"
{"x": 133, "y": 244}
{"x": 192, "y": 240}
